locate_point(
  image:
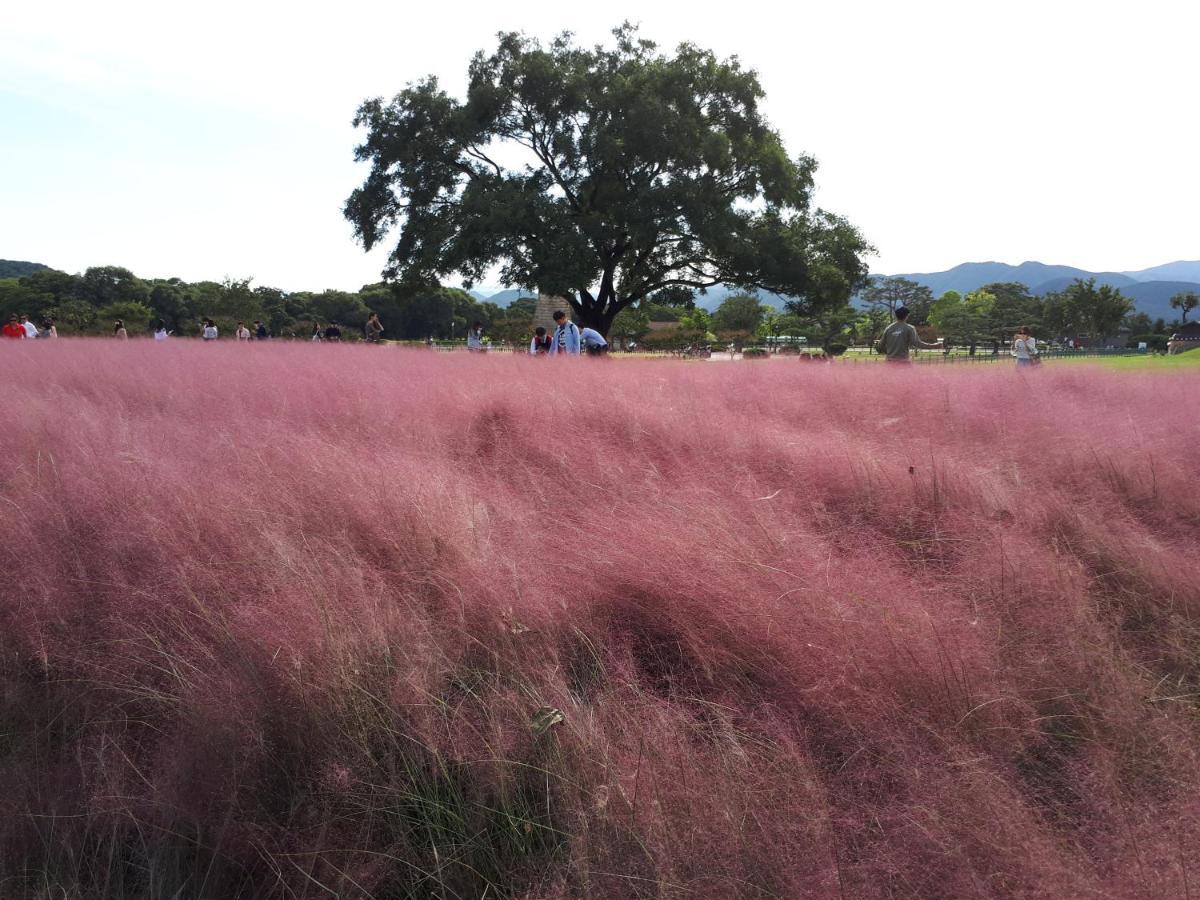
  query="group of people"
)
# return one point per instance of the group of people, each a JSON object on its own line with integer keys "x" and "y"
{"x": 260, "y": 333}
{"x": 901, "y": 337}
{"x": 372, "y": 331}
{"x": 21, "y": 329}
{"x": 568, "y": 338}
{"x": 897, "y": 341}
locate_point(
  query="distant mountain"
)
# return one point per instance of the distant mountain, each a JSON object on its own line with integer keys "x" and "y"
{"x": 1153, "y": 297}
{"x": 1175, "y": 271}
{"x": 1112, "y": 279}
{"x": 504, "y": 298}
{"x": 1149, "y": 289}
{"x": 967, "y": 277}
{"x": 13, "y": 268}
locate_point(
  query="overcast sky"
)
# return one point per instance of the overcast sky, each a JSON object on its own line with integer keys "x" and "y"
{"x": 212, "y": 140}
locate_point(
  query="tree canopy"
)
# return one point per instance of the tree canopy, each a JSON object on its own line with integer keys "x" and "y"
{"x": 963, "y": 319}
{"x": 89, "y": 302}
{"x": 892, "y": 293}
{"x": 604, "y": 175}
{"x": 1085, "y": 308}
{"x": 739, "y": 312}
{"x": 1185, "y": 302}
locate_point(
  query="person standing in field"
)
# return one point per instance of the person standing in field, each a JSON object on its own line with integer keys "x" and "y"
{"x": 900, "y": 337}
{"x": 593, "y": 342}
{"x": 566, "y": 334}
{"x": 333, "y": 333}
{"x": 209, "y": 332}
{"x": 160, "y": 331}
{"x": 475, "y": 338}
{"x": 14, "y": 331}
{"x": 317, "y": 334}
{"x": 31, "y": 330}
{"x": 373, "y": 329}
{"x": 1024, "y": 347}
{"x": 119, "y": 331}
{"x": 542, "y": 344}
{"x": 261, "y": 331}
{"x": 48, "y": 329}
{"x": 242, "y": 333}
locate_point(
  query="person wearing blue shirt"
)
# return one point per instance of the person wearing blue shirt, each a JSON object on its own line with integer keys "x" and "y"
{"x": 593, "y": 342}
{"x": 566, "y": 335}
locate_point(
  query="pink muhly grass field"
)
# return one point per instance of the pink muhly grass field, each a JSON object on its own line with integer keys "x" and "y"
{"x": 277, "y": 621}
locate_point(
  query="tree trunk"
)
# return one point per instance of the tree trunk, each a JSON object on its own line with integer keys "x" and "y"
{"x": 598, "y": 312}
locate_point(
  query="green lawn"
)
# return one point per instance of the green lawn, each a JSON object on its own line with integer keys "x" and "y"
{"x": 1147, "y": 363}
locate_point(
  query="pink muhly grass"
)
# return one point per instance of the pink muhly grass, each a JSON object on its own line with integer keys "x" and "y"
{"x": 282, "y": 616}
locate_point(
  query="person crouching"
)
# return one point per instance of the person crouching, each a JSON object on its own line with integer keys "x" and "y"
{"x": 542, "y": 344}
{"x": 593, "y": 342}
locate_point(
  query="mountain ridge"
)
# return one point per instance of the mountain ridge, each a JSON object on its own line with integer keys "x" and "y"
{"x": 16, "y": 268}
{"x": 1147, "y": 288}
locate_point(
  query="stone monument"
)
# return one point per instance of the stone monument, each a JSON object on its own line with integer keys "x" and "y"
{"x": 543, "y": 313}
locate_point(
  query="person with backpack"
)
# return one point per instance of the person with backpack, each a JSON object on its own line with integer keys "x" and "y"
{"x": 566, "y": 335}
{"x": 900, "y": 337}
{"x": 542, "y": 344}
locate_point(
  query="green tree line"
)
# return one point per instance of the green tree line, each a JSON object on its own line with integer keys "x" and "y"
{"x": 991, "y": 314}
{"x": 89, "y": 303}
{"x": 1082, "y": 310}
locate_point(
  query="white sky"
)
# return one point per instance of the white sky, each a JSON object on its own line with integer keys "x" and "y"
{"x": 214, "y": 139}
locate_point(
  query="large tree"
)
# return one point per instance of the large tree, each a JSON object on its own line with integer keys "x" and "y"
{"x": 1084, "y": 307}
{"x": 962, "y": 320}
{"x": 739, "y": 312}
{"x": 1185, "y": 302}
{"x": 892, "y": 293}
{"x": 1012, "y": 307}
{"x": 603, "y": 175}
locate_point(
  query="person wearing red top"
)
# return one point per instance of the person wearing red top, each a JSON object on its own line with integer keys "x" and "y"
{"x": 14, "y": 331}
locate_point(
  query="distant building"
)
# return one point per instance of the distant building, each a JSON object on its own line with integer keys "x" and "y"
{"x": 1186, "y": 338}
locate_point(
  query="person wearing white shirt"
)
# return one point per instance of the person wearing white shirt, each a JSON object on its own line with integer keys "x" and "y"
{"x": 210, "y": 330}
{"x": 593, "y": 342}
{"x": 566, "y": 335}
{"x": 1024, "y": 347}
{"x": 31, "y": 330}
